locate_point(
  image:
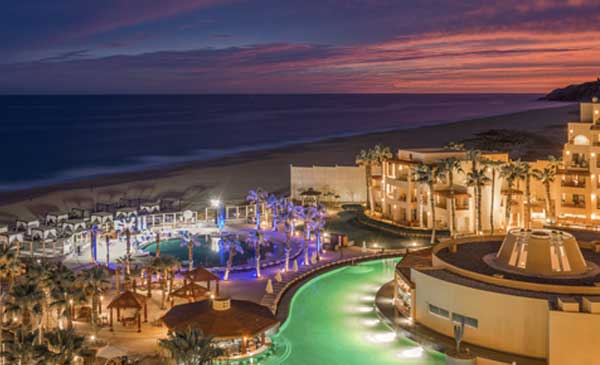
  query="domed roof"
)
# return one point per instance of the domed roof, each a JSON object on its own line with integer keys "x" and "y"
{"x": 541, "y": 252}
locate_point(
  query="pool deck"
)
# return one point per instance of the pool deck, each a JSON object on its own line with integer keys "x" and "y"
{"x": 430, "y": 339}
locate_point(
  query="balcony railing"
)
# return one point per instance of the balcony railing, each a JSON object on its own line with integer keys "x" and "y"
{"x": 573, "y": 184}
{"x": 572, "y": 204}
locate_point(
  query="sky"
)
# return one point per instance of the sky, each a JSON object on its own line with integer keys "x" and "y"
{"x": 297, "y": 46}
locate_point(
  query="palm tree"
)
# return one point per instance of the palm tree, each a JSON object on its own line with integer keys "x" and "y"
{"x": 451, "y": 166}
{"x": 510, "y": 171}
{"x": 258, "y": 198}
{"x": 307, "y": 215}
{"x": 165, "y": 265}
{"x": 10, "y": 266}
{"x": 255, "y": 238}
{"x": 317, "y": 225}
{"x": 127, "y": 254}
{"x": 62, "y": 347}
{"x": 289, "y": 213}
{"x": 276, "y": 205}
{"x": 546, "y": 177}
{"x": 63, "y": 291}
{"x": 526, "y": 173}
{"x": 368, "y": 158}
{"x": 20, "y": 348}
{"x": 427, "y": 175}
{"x": 94, "y": 281}
{"x": 188, "y": 240}
{"x": 492, "y": 167}
{"x": 233, "y": 246}
{"x": 190, "y": 347}
{"x": 474, "y": 155}
{"x": 25, "y": 302}
{"x": 157, "y": 249}
{"x": 477, "y": 179}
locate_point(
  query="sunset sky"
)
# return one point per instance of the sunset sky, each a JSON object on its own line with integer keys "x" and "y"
{"x": 297, "y": 46}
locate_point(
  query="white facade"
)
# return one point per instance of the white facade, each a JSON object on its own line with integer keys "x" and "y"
{"x": 347, "y": 182}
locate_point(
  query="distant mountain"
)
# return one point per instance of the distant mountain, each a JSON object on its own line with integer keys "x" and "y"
{"x": 581, "y": 92}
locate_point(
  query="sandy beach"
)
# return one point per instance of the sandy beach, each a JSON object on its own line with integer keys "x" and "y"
{"x": 537, "y": 133}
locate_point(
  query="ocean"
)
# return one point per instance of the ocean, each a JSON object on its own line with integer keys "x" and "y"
{"x": 48, "y": 140}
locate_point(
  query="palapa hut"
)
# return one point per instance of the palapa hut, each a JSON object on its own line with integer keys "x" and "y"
{"x": 312, "y": 194}
{"x": 201, "y": 275}
{"x": 238, "y": 327}
{"x": 190, "y": 291}
{"x": 129, "y": 301}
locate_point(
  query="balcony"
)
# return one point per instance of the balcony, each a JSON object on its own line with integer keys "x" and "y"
{"x": 578, "y": 204}
{"x": 573, "y": 183}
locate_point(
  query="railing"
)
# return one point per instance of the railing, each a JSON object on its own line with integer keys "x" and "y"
{"x": 573, "y": 184}
{"x": 572, "y": 204}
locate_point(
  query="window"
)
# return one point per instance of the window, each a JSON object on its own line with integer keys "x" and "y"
{"x": 469, "y": 322}
{"x": 440, "y": 312}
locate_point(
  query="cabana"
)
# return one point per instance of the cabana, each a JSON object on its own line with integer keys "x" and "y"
{"x": 191, "y": 291}
{"x": 239, "y": 327}
{"x": 129, "y": 300}
{"x": 201, "y": 275}
{"x": 310, "y": 193}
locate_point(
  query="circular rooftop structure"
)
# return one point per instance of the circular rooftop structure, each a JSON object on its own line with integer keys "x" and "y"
{"x": 540, "y": 252}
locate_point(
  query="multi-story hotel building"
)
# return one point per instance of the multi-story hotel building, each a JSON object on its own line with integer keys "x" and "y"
{"x": 574, "y": 194}
{"x": 406, "y": 202}
{"x": 579, "y": 185}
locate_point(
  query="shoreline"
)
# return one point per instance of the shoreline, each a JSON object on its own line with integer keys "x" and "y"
{"x": 230, "y": 177}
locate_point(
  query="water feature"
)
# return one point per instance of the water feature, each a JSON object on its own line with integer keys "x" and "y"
{"x": 209, "y": 253}
{"x": 332, "y": 320}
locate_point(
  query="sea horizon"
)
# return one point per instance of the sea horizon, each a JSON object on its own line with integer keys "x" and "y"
{"x": 75, "y": 137}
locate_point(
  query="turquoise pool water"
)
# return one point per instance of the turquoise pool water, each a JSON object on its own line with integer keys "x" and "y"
{"x": 209, "y": 253}
{"x": 332, "y": 321}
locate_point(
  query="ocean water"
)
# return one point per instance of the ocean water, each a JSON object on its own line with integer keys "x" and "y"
{"x": 52, "y": 139}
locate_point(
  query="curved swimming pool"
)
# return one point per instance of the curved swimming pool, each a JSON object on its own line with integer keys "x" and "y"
{"x": 332, "y": 320}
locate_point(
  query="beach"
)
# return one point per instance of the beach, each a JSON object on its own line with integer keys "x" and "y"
{"x": 541, "y": 132}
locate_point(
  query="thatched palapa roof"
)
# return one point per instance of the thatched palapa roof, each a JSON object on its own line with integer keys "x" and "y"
{"x": 242, "y": 319}
{"x": 127, "y": 300}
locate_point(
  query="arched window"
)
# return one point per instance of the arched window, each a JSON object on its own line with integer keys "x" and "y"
{"x": 581, "y": 140}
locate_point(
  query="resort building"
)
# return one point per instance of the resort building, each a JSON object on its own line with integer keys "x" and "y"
{"x": 570, "y": 199}
{"x": 532, "y": 294}
{"x": 579, "y": 185}
{"x": 400, "y": 199}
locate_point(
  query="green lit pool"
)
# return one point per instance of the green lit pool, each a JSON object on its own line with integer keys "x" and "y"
{"x": 332, "y": 321}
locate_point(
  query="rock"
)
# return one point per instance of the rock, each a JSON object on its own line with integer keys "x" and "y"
{"x": 580, "y": 92}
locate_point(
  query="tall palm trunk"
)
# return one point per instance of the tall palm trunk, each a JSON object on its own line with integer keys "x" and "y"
{"x": 493, "y": 187}
{"x": 127, "y": 254}
{"x": 229, "y": 262}
{"x": 257, "y": 215}
{"x": 420, "y": 204}
{"x": 149, "y": 283}
{"x": 528, "y": 199}
{"x": 452, "y": 202}
{"x": 288, "y": 248}
{"x": 257, "y": 256}
{"x": 190, "y": 256}
{"x": 157, "y": 251}
{"x": 306, "y": 241}
{"x": 163, "y": 290}
{"x": 370, "y": 201}
{"x": 549, "y": 207}
{"x": 432, "y": 205}
{"x": 508, "y": 210}
{"x": 479, "y": 225}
